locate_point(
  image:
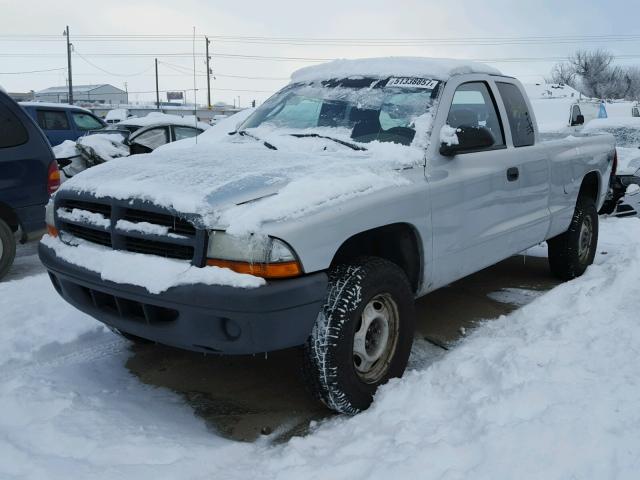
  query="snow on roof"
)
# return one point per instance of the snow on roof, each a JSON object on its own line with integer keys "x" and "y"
{"x": 52, "y": 105}
{"x": 76, "y": 88}
{"x": 438, "y": 68}
{"x": 615, "y": 122}
{"x": 158, "y": 118}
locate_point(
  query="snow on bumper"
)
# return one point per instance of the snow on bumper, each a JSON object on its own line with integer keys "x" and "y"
{"x": 201, "y": 313}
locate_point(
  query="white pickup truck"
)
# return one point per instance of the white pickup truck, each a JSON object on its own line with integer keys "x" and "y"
{"x": 318, "y": 220}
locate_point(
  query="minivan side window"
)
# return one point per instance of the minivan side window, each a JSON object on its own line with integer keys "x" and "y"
{"x": 473, "y": 106}
{"x": 52, "y": 120}
{"x": 12, "y": 132}
{"x": 84, "y": 121}
{"x": 522, "y": 131}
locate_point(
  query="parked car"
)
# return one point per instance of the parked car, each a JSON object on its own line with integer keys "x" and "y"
{"x": 104, "y": 145}
{"x": 358, "y": 187}
{"x": 624, "y": 195}
{"x": 116, "y": 115}
{"x": 28, "y": 175}
{"x": 61, "y": 122}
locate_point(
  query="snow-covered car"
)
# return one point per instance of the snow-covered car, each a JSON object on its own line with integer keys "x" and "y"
{"x": 317, "y": 221}
{"x": 624, "y": 197}
{"x": 121, "y": 140}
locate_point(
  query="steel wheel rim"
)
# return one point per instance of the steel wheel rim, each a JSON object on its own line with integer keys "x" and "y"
{"x": 584, "y": 239}
{"x": 376, "y": 338}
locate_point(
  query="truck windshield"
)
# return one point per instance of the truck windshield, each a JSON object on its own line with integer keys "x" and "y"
{"x": 360, "y": 110}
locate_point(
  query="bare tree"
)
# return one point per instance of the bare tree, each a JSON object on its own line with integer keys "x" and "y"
{"x": 594, "y": 70}
{"x": 563, "y": 73}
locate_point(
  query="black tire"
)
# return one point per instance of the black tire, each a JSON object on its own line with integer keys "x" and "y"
{"x": 571, "y": 252}
{"x": 7, "y": 249}
{"x": 332, "y": 365}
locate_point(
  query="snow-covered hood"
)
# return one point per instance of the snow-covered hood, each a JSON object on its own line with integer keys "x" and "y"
{"x": 220, "y": 181}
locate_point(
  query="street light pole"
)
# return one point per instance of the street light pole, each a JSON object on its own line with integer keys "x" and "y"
{"x": 207, "y": 42}
{"x": 157, "y": 90}
{"x": 66, "y": 34}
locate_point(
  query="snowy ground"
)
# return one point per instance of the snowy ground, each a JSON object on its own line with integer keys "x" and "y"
{"x": 550, "y": 391}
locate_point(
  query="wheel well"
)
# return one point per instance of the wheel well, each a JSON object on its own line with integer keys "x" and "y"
{"x": 9, "y": 216}
{"x": 397, "y": 243}
{"x": 590, "y": 186}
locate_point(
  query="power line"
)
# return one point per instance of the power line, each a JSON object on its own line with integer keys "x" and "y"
{"x": 33, "y": 71}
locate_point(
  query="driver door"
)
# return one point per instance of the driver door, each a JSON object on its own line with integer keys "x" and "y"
{"x": 474, "y": 194}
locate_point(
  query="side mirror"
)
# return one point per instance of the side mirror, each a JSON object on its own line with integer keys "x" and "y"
{"x": 469, "y": 139}
{"x": 578, "y": 121}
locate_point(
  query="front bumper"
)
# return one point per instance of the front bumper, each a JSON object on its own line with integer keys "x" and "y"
{"x": 204, "y": 318}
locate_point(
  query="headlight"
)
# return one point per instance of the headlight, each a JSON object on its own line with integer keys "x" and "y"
{"x": 50, "y": 219}
{"x": 261, "y": 256}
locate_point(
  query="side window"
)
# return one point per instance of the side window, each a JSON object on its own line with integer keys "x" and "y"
{"x": 84, "y": 121}
{"x": 185, "y": 132}
{"x": 522, "y": 130}
{"x": 52, "y": 119}
{"x": 12, "y": 132}
{"x": 473, "y": 106}
{"x": 152, "y": 138}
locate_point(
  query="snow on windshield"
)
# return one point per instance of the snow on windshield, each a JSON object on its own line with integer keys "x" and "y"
{"x": 360, "y": 110}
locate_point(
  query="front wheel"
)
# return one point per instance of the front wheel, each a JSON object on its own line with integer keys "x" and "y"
{"x": 573, "y": 251}
{"x": 363, "y": 334}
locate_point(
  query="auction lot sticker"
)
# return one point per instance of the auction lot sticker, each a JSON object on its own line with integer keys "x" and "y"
{"x": 413, "y": 82}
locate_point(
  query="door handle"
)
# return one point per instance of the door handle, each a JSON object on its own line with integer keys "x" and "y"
{"x": 512, "y": 174}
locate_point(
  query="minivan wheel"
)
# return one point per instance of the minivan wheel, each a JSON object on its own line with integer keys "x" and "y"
{"x": 363, "y": 334}
{"x": 573, "y": 251}
{"x": 7, "y": 248}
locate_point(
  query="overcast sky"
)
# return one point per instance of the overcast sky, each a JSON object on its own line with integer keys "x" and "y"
{"x": 343, "y": 19}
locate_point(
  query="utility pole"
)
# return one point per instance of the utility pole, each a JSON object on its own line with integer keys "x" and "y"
{"x": 208, "y": 73}
{"x": 157, "y": 90}
{"x": 66, "y": 34}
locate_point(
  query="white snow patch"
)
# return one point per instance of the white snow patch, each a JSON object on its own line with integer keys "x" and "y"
{"x": 449, "y": 135}
{"x": 66, "y": 149}
{"x": 84, "y": 216}
{"x": 156, "y": 274}
{"x": 146, "y": 227}
{"x": 421, "y": 67}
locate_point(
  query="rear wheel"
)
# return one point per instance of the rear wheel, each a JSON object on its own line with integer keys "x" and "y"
{"x": 363, "y": 334}
{"x": 7, "y": 248}
{"x": 573, "y": 251}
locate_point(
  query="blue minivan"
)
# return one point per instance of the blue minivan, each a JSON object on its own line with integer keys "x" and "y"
{"x": 61, "y": 122}
{"x": 28, "y": 176}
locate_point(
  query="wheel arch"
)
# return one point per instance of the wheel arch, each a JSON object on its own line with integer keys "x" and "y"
{"x": 9, "y": 216}
{"x": 398, "y": 242}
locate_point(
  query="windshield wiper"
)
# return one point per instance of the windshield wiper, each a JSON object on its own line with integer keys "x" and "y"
{"x": 352, "y": 146}
{"x": 244, "y": 133}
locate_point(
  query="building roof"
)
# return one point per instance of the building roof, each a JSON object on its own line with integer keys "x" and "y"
{"x": 77, "y": 88}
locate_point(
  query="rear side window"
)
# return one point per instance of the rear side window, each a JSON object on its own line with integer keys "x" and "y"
{"x": 518, "y": 114}
{"x": 52, "y": 120}
{"x": 12, "y": 132}
{"x": 84, "y": 121}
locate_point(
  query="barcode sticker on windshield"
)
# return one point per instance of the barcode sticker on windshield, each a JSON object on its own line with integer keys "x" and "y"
{"x": 413, "y": 82}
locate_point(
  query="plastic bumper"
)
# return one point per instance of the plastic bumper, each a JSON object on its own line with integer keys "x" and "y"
{"x": 204, "y": 318}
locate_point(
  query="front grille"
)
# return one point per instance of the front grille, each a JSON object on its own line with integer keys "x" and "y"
{"x": 89, "y": 234}
{"x": 161, "y": 249}
{"x": 182, "y": 240}
{"x": 176, "y": 225}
